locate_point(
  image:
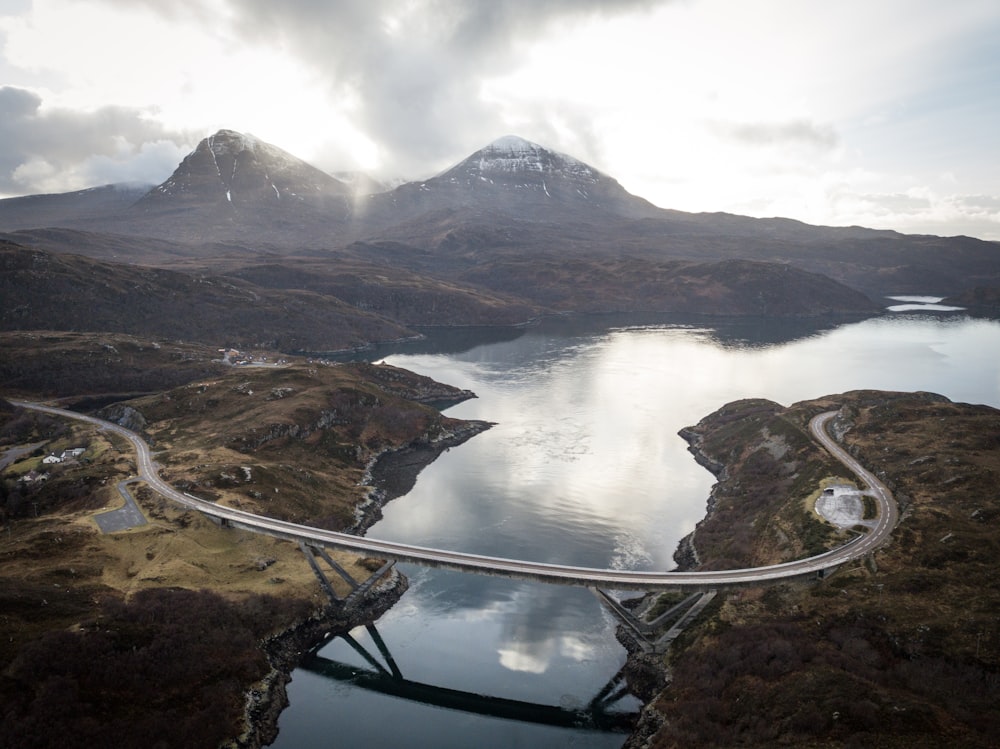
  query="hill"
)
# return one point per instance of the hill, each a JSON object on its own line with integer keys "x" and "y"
{"x": 900, "y": 649}
{"x": 187, "y": 619}
{"x": 323, "y": 305}
{"x": 43, "y": 291}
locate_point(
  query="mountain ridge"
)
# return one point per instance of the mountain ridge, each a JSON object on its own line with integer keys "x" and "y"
{"x": 511, "y": 197}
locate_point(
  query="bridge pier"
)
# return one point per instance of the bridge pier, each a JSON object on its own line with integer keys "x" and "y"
{"x": 688, "y": 610}
{"x": 324, "y": 581}
{"x": 639, "y": 628}
{"x": 311, "y": 551}
{"x": 377, "y": 575}
{"x": 689, "y": 616}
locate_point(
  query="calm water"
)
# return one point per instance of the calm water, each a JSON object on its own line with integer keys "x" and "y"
{"x": 584, "y": 467}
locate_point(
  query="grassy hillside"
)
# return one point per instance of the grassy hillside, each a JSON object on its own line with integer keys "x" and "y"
{"x": 46, "y": 363}
{"x": 159, "y": 630}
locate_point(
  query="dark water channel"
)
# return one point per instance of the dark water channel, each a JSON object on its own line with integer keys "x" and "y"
{"x": 584, "y": 467}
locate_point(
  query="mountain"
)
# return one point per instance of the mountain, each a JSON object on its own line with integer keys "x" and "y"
{"x": 516, "y": 201}
{"x": 235, "y": 172}
{"x": 511, "y": 176}
{"x": 70, "y": 208}
{"x": 508, "y": 205}
{"x": 235, "y": 186}
{"x": 231, "y": 187}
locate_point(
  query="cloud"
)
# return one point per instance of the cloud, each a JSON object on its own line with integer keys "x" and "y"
{"x": 48, "y": 149}
{"x": 793, "y": 132}
{"x": 893, "y": 204}
{"x": 409, "y": 72}
{"x": 919, "y": 210}
{"x": 796, "y": 133}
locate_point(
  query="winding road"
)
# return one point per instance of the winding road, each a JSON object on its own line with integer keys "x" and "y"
{"x": 519, "y": 569}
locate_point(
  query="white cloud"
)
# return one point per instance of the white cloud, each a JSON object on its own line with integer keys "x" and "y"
{"x": 519, "y": 658}
{"x": 698, "y": 105}
{"x": 50, "y": 149}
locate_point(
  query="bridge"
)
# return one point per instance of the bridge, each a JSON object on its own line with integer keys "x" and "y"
{"x": 314, "y": 540}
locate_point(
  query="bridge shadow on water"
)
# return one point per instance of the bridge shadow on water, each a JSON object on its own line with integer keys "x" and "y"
{"x": 388, "y": 679}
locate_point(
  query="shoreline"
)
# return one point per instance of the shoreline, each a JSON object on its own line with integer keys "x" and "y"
{"x": 285, "y": 651}
{"x": 393, "y": 472}
{"x": 686, "y": 554}
{"x": 389, "y": 475}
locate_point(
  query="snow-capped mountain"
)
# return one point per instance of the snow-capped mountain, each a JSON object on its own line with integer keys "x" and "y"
{"x": 502, "y": 209}
{"x": 231, "y": 170}
{"x": 513, "y": 175}
{"x": 519, "y": 163}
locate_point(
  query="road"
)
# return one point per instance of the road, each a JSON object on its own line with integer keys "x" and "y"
{"x": 888, "y": 511}
{"x": 14, "y": 454}
{"x": 127, "y": 516}
{"x": 520, "y": 569}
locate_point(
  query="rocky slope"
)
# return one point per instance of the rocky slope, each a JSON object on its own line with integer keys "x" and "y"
{"x": 234, "y": 185}
{"x": 516, "y": 177}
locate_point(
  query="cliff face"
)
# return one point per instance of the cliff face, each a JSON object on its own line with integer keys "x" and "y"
{"x": 900, "y": 649}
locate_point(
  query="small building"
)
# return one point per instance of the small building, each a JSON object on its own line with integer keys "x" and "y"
{"x": 50, "y": 459}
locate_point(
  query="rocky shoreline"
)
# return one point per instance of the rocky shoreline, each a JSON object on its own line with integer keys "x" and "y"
{"x": 393, "y": 472}
{"x": 686, "y": 554}
{"x": 285, "y": 651}
{"x": 648, "y": 674}
{"x": 390, "y": 474}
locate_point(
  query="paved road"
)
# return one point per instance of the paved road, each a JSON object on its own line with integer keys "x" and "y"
{"x": 14, "y": 454}
{"x": 125, "y": 517}
{"x": 513, "y": 568}
{"x": 888, "y": 511}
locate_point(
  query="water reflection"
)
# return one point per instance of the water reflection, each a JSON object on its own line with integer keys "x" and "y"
{"x": 383, "y": 675}
{"x": 921, "y": 303}
{"x": 585, "y": 467}
{"x": 740, "y": 332}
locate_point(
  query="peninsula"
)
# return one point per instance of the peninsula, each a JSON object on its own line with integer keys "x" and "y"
{"x": 897, "y": 649}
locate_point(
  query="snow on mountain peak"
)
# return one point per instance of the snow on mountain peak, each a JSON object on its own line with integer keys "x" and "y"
{"x": 232, "y": 142}
{"x": 513, "y": 144}
{"x": 512, "y": 154}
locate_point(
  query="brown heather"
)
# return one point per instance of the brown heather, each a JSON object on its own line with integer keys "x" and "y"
{"x": 898, "y": 650}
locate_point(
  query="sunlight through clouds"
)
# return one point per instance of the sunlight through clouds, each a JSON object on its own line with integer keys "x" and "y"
{"x": 878, "y": 114}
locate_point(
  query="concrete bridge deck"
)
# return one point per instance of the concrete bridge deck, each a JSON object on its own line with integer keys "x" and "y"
{"x": 526, "y": 570}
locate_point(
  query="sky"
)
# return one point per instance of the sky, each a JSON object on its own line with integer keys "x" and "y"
{"x": 880, "y": 113}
